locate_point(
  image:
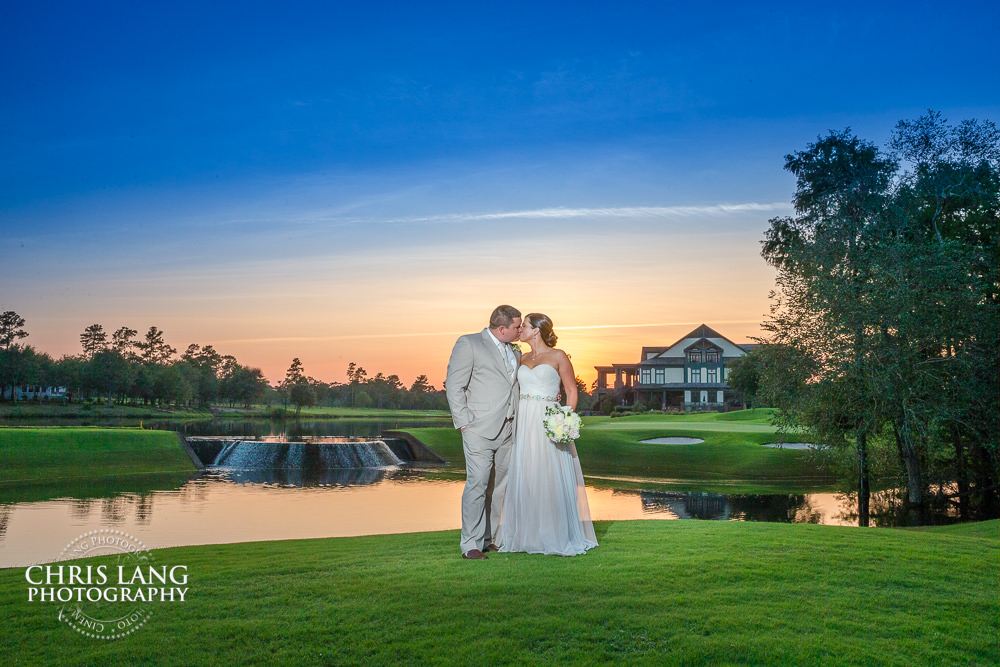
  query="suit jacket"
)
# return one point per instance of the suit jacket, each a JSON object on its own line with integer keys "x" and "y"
{"x": 481, "y": 394}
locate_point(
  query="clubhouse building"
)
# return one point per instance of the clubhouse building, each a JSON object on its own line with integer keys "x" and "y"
{"x": 691, "y": 374}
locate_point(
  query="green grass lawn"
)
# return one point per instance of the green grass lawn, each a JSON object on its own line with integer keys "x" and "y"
{"x": 730, "y": 459}
{"x": 32, "y": 455}
{"x": 653, "y": 593}
{"x": 25, "y": 411}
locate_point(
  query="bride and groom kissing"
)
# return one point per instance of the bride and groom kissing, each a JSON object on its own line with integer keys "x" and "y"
{"x": 523, "y": 491}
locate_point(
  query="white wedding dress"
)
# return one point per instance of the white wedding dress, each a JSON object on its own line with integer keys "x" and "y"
{"x": 545, "y": 508}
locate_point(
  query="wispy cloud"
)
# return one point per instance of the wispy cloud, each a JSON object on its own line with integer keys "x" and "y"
{"x": 426, "y": 334}
{"x": 324, "y": 339}
{"x": 610, "y": 212}
{"x": 656, "y": 324}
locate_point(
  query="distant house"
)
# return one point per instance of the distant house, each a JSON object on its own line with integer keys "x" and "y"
{"x": 691, "y": 374}
{"x": 28, "y": 392}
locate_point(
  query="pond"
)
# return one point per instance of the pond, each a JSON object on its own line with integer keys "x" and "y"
{"x": 220, "y": 506}
{"x": 225, "y": 504}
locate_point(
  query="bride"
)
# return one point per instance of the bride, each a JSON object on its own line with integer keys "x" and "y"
{"x": 545, "y": 509}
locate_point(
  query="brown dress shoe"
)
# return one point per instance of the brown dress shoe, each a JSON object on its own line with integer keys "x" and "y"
{"x": 474, "y": 554}
{"x": 491, "y": 547}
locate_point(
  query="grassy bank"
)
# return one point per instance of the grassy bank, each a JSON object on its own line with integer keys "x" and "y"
{"x": 320, "y": 412}
{"x": 44, "y": 455}
{"x": 730, "y": 459}
{"x": 25, "y": 411}
{"x": 657, "y": 593}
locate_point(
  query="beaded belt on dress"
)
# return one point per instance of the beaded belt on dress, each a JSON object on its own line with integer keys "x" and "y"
{"x": 536, "y": 397}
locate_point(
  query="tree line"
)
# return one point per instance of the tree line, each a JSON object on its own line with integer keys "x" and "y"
{"x": 883, "y": 336}
{"x": 125, "y": 369}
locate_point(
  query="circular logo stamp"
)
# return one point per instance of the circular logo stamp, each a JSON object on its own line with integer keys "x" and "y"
{"x": 112, "y": 598}
{"x": 127, "y": 550}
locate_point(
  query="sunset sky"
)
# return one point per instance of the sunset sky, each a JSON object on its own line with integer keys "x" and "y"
{"x": 365, "y": 181}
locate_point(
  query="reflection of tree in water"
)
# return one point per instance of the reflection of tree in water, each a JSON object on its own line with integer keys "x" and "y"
{"x": 686, "y": 505}
{"x": 144, "y": 509}
{"x": 706, "y": 506}
{"x": 197, "y": 489}
{"x": 779, "y": 508}
{"x": 80, "y": 509}
{"x": 806, "y": 513}
{"x": 659, "y": 501}
{"x": 114, "y": 509}
{"x": 5, "y": 512}
{"x": 889, "y": 509}
{"x": 307, "y": 477}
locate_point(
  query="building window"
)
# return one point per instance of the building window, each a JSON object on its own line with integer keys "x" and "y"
{"x": 694, "y": 357}
{"x": 713, "y": 375}
{"x": 712, "y": 357}
{"x": 695, "y": 375}
{"x": 659, "y": 376}
{"x": 644, "y": 376}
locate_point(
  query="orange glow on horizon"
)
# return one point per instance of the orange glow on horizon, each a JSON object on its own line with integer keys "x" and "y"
{"x": 399, "y": 309}
{"x": 408, "y": 356}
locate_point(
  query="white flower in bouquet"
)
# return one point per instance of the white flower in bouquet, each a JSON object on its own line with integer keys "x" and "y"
{"x": 562, "y": 425}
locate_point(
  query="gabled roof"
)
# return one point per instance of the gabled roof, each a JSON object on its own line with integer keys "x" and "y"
{"x": 703, "y": 343}
{"x": 649, "y": 352}
{"x": 654, "y": 355}
{"x": 703, "y": 331}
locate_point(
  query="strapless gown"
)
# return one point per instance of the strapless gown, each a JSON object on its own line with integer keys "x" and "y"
{"x": 545, "y": 509}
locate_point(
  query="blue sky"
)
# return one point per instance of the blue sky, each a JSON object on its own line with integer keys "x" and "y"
{"x": 326, "y": 175}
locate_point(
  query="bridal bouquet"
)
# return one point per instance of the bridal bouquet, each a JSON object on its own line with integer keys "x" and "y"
{"x": 562, "y": 425}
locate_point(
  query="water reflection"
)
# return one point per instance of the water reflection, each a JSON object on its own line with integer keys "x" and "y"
{"x": 304, "y": 477}
{"x": 5, "y": 512}
{"x": 222, "y": 506}
{"x": 777, "y": 508}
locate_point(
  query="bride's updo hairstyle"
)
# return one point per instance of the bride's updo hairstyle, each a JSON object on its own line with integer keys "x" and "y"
{"x": 544, "y": 326}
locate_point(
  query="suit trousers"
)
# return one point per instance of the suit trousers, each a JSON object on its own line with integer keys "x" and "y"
{"x": 486, "y": 464}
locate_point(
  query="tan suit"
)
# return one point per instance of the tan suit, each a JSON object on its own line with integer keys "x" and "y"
{"x": 482, "y": 395}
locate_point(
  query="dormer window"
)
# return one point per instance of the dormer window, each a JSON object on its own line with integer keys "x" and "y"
{"x": 712, "y": 356}
{"x": 694, "y": 357}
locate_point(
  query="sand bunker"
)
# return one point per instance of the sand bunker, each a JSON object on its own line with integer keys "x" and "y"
{"x": 792, "y": 445}
{"x": 673, "y": 441}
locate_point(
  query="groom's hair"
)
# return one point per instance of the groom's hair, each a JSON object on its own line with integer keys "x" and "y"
{"x": 503, "y": 316}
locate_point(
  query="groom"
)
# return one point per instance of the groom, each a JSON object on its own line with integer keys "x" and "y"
{"x": 482, "y": 393}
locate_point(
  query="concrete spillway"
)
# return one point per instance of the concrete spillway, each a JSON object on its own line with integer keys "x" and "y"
{"x": 253, "y": 454}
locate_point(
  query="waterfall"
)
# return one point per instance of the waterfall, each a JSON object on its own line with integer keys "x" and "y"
{"x": 254, "y": 454}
